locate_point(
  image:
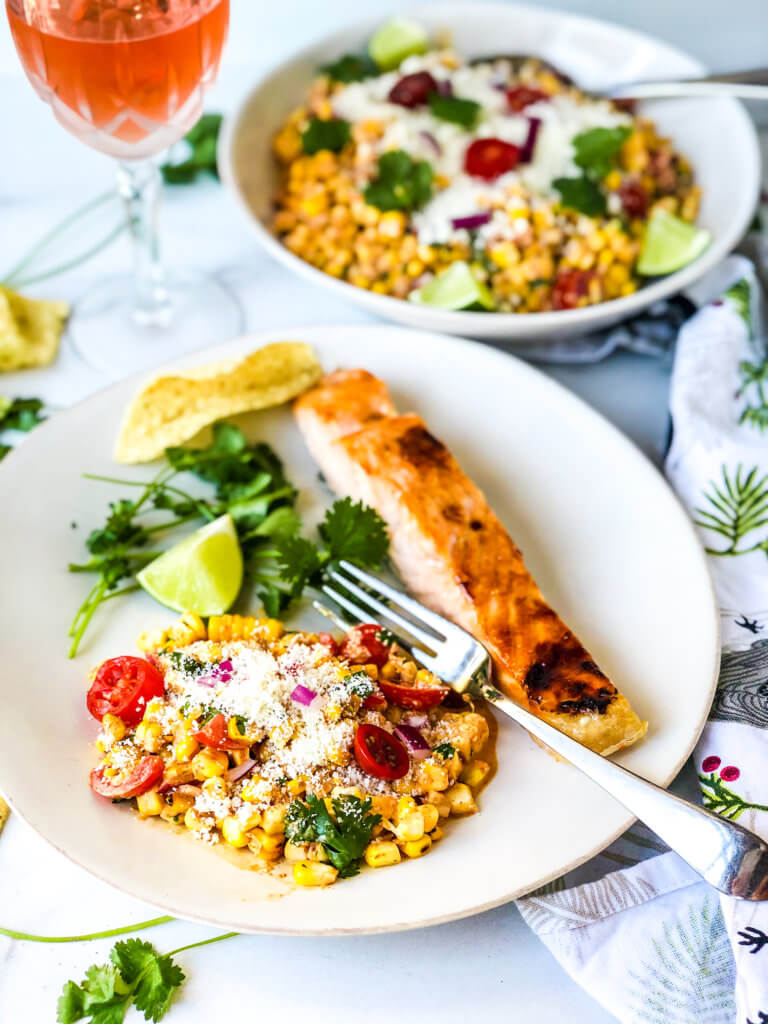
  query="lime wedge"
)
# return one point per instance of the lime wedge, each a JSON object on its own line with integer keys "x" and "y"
{"x": 393, "y": 42}
{"x": 669, "y": 244}
{"x": 202, "y": 573}
{"x": 456, "y": 287}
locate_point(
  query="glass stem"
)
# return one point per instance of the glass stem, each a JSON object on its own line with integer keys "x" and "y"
{"x": 139, "y": 183}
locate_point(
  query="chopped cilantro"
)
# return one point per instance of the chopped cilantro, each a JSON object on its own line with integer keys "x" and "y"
{"x": 352, "y": 67}
{"x": 282, "y": 780}
{"x": 596, "y": 150}
{"x": 137, "y": 975}
{"x": 402, "y": 182}
{"x": 186, "y": 663}
{"x": 385, "y": 637}
{"x": 581, "y": 194}
{"x": 345, "y": 839}
{"x": 242, "y": 724}
{"x": 319, "y": 134}
{"x": 444, "y": 751}
{"x": 454, "y": 109}
{"x": 355, "y": 532}
{"x": 360, "y": 684}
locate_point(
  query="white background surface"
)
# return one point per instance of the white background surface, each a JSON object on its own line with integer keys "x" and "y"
{"x": 490, "y": 965}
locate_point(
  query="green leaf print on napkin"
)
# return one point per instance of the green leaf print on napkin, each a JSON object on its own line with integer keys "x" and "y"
{"x": 737, "y": 507}
{"x": 686, "y": 977}
{"x": 754, "y": 380}
{"x": 740, "y": 295}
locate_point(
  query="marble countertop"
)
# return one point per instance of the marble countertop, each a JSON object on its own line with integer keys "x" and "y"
{"x": 490, "y": 963}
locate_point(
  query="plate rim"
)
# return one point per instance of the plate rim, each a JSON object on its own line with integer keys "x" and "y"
{"x": 494, "y": 355}
{"x": 522, "y": 328}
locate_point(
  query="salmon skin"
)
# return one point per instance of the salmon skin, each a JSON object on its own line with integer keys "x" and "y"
{"x": 455, "y": 556}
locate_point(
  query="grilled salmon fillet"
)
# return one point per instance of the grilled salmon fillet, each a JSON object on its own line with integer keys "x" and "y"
{"x": 456, "y": 557}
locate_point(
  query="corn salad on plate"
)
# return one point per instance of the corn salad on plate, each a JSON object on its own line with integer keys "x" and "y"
{"x": 613, "y": 552}
{"x": 411, "y": 170}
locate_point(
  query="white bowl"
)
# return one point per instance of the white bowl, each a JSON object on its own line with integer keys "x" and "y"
{"x": 715, "y": 134}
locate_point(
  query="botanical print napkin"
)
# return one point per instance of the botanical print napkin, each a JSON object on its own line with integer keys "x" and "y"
{"x": 650, "y": 941}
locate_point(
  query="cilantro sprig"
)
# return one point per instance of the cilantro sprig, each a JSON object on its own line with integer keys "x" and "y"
{"x": 402, "y": 183}
{"x": 18, "y": 414}
{"x": 444, "y": 751}
{"x": 136, "y": 975}
{"x": 344, "y": 836}
{"x": 596, "y": 152}
{"x": 250, "y": 484}
{"x": 203, "y": 140}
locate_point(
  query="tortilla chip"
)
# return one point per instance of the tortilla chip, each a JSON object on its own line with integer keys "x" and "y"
{"x": 30, "y": 330}
{"x": 172, "y": 409}
{"x": 5, "y": 813}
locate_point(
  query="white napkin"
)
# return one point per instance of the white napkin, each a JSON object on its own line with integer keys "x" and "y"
{"x": 651, "y": 942}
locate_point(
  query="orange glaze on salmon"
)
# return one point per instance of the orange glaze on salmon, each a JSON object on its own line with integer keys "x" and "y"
{"x": 456, "y": 557}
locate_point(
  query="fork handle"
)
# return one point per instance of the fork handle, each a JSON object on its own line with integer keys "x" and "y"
{"x": 728, "y": 856}
{"x": 746, "y": 85}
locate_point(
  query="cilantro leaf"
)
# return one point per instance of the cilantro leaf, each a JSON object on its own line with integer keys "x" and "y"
{"x": 454, "y": 109}
{"x": 444, "y": 750}
{"x": 20, "y": 413}
{"x": 355, "y": 532}
{"x": 345, "y": 839}
{"x": 203, "y": 139}
{"x": 351, "y": 67}
{"x": 298, "y": 560}
{"x": 319, "y": 134}
{"x": 596, "y": 150}
{"x": 4, "y": 449}
{"x": 402, "y": 182}
{"x": 103, "y": 996}
{"x": 153, "y": 979}
{"x": 581, "y": 194}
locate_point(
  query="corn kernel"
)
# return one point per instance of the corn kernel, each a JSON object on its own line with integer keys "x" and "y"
{"x": 233, "y": 832}
{"x": 461, "y": 800}
{"x": 381, "y": 854}
{"x": 418, "y": 847}
{"x": 392, "y": 224}
{"x": 150, "y": 803}
{"x": 411, "y": 826}
{"x": 296, "y": 787}
{"x": 474, "y": 772}
{"x": 192, "y": 821}
{"x": 273, "y": 820}
{"x": 295, "y": 851}
{"x": 431, "y": 816}
{"x": 405, "y": 805}
{"x": 177, "y": 805}
{"x": 209, "y": 763}
{"x": 185, "y": 748}
{"x": 312, "y": 873}
{"x": 436, "y": 834}
{"x": 114, "y": 727}
{"x": 215, "y": 787}
{"x": 149, "y": 735}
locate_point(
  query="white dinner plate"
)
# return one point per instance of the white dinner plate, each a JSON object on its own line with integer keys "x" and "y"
{"x": 714, "y": 133}
{"x": 601, "y": 531}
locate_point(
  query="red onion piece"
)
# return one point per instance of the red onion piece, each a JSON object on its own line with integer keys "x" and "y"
{"x": 415, "y": 743}
{"x": 209, "y": 681}
{"x": 224, "y": 666}
{"x": 472, "y": 220}
{"x": 416, "y": 721}
{"x": 432, "y": 142}
{"x": 240, "y": 770}
{"x": 527, "y": 148}
{"x": 303, "y": 695}
{"x": 444, "y": 87}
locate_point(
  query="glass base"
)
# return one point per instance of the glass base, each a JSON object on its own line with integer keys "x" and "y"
{"x": 111, "y": 337}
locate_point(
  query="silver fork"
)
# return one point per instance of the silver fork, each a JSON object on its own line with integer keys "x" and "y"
{"x": 728, "y": 856}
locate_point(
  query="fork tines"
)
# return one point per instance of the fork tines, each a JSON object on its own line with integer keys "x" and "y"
{"x": 367, "y": 598}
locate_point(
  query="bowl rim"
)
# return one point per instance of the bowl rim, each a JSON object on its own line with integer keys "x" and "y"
{"x": 528, "y": 327}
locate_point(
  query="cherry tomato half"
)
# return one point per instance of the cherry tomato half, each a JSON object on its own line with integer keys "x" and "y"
{"x": 418, "y": 698}
{"x": 147, "y": 772}
{"x": 412, "y": 90}
{"x": 363, "y": 646}
{"x": 571, "y": 285}
{"x": 375, "y": 701}
{"x": 122, "y": 687}
{"x": 329, "y": 641}
{"x": 379, "y": 753}
{"x": 490, "y": 158}
{"x": 214, "y": 734}
{"x": 521, "y": 96}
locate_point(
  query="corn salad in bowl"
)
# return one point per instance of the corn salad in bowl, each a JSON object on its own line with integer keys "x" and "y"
{"x": 289, "y": 748}
{"x": 492, "y": 185}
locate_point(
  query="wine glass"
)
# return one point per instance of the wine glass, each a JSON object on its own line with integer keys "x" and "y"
{"x": 127, "y": 77}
